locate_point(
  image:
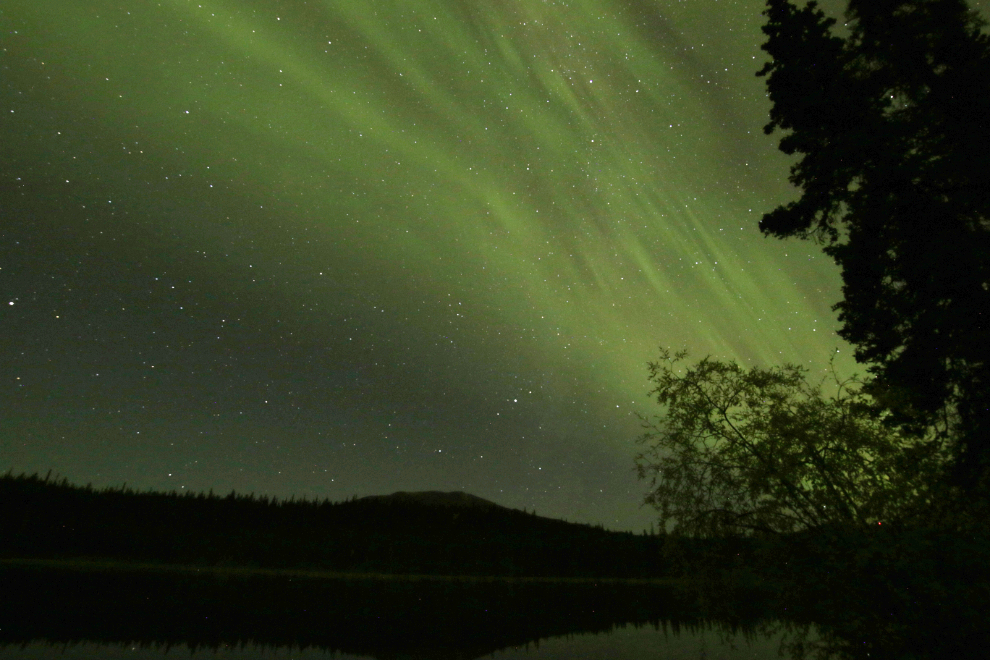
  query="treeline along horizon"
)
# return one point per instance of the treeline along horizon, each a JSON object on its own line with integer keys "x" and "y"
{"x": 51, "y": 518}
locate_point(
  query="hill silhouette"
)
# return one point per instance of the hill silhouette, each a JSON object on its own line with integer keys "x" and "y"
{"x": 455, "y": 499}
{"x": 429, "y": 532}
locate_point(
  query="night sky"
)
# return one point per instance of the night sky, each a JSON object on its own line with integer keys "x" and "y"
{"x": 354, "y": 247}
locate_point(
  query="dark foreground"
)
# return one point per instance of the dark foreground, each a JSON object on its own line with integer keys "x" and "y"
{"x": 382, "y": 616}
{"x": 413, "y": 579}
{"x": 820, "y": 614}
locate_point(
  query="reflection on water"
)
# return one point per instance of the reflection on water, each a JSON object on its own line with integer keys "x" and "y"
{"x": 818, "y": 614}
{"x": 622, "y": 643}
{"x": 71, "y": 612}
{"x": 632, "y": 643}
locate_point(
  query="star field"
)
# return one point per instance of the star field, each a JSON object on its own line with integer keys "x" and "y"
{"x": 339, "y": 248}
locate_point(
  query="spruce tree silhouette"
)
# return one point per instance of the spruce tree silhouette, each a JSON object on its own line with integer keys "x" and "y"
{"x": 891, "y": 125}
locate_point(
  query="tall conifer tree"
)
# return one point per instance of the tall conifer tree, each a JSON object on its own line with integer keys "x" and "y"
{"x": 892, "y": 127}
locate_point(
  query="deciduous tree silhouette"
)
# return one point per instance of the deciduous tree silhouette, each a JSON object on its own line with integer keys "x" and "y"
{"x": 764, "y": 450}
{"x": 892, "y": 126}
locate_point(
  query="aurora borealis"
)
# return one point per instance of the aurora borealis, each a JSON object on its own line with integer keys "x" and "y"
{"x": 334, "y": 248}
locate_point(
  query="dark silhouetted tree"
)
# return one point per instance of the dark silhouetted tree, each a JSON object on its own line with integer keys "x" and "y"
{"x": 891, "y": 126}
{"x": 763, "y": 450}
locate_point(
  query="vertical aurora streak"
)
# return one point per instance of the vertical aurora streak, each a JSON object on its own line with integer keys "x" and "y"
{"x": 416, "y": 245}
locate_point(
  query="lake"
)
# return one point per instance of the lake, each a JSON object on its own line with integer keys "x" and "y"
{"x": 623, "y": 643}
{"x": 88, "y": 611}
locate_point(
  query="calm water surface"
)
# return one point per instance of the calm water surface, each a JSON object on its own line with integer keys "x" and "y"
{"x": 625, "y": 643}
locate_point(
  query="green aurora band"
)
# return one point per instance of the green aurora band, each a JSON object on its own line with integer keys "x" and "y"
{"x": 541, "y": 190}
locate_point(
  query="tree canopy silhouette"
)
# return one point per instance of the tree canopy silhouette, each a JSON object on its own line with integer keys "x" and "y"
{"x": 891, "y": 126}
{"x": 764, "y": 450}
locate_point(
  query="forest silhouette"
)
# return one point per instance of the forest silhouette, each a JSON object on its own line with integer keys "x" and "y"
{"x": 450, "y": 575}
{"x": 449, "y": 535}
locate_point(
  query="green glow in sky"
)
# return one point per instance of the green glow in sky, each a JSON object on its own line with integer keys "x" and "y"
{"x": 415, "y": 245}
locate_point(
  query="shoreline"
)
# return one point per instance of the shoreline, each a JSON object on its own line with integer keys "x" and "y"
{"x": 314, "y": 574}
